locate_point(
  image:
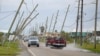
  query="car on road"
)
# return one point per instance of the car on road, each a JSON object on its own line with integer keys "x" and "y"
{"x": 26, "y": 39}
{"x": 56, "y": 42}
{"x": 33, "y": 40}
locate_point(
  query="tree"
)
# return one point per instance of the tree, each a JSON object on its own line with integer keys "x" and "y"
{"x": 66, "y": 36}
{"x": 34, "y": 33}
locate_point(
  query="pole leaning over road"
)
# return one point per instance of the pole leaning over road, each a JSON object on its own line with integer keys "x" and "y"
{"x": 19, "y": 22}
{"x": 29, "y": 16}
{"x": 51, "y": 23}
{"x": 14, "y": 18}
{"x": 46, "y": 25}
{"x": 23, "y": 24}
{"x": 30, "y": 21}
{"x": 65, "y": 18}
{"x": 55, "y": 21}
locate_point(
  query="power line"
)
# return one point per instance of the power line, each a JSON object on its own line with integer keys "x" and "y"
{"x": 32, "y": 3}
{"x": 83, "y": 21}
{"x": 6, "y": 16}
{"x": 26, "y": 6}
{"x": 88, "y": 20}
{"x": 15, "y": 17}
{"x": 70, "y": 25}
{"x": 7, "y": 11}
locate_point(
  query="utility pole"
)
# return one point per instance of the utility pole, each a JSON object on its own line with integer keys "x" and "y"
{"x": 55, "y": 21}
{"x": 51, "y": 23}
{"x": 95, "y": 28}
{"x": 21, "y": 27}
{"x": 28, "y": 17}
{"x": 77, "y": 20}
{"x": 30, "y": 21}
{"x": 19, "y": 21}
{"x": 65, "y": 17}
{"x": 18, "y": 25}
{"x": 24, "y": 26}
{"x": 46, "y": 25}
{"x": 81, "y": 37}
{"x": 15, "y": 18}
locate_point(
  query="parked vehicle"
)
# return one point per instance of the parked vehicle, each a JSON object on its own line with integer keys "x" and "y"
{"x": 33, "y": 40}
{"x": 26, "y": 39}
{"x": 56, "y": 42}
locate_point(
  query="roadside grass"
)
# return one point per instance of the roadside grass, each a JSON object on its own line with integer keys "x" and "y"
{"x": 42, "y": 40}
{"x": 91, "y": 47}
{"x": 10, "y": 49}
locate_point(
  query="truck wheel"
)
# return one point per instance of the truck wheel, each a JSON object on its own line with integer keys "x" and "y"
{"x": 28, "y": 45}
{"x": 46, "y": 45}
{"x": 37, "y": 45}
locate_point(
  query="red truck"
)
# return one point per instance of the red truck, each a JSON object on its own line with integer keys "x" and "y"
{"x": 56, "y": 42}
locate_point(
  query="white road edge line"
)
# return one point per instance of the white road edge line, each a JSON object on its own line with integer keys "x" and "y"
{"x": 33, "y": 54}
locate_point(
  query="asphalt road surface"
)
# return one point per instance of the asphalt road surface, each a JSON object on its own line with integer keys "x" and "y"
{"x": 70, "y": 50}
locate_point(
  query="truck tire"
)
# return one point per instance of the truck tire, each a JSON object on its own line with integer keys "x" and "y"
{"x": 38, "y": 45}
{"x": 28, "y": 45}
{"x": 46, "y": 45}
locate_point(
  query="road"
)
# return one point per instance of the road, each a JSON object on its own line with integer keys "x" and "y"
{"x": 70, "y": 50}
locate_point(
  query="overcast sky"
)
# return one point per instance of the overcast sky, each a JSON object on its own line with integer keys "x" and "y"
{"x": 46, "y": 8}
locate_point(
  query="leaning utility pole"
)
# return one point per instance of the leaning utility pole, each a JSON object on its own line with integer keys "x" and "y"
{"x": 18, "y": 25}
{"x": 19, "y": 22}
{"x": 15, "y": 18}
{"x": 55, "y": 21}
{"x": 28, "y": 18}
{"x": 29, "y": 22}
{"x": 65, "y": 17}
{"x": 77, "y": 20}
{"x": 51, "y": 23}
{"x": 81, "y": 37}
{"x": 95, "y": 28}
{"x": 21, "y": 27}
{"x": 46, "y": 25}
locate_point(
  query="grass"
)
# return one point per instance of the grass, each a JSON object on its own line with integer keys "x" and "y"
{"x": 9, "y": 50}
{"x": 91, "y": 47}
{"x": 43, "y": 39}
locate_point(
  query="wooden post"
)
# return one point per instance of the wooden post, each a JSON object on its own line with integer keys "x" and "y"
{"x": 77, "y": 20}
{"x": 81, "y": 28}
{"x": 95, "y": 27}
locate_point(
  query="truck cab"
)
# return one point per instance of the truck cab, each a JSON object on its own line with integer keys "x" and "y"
{"x": 56, "y": 42}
